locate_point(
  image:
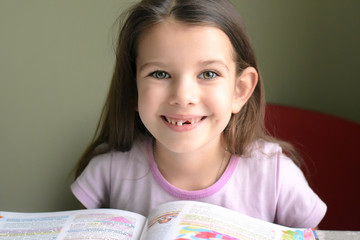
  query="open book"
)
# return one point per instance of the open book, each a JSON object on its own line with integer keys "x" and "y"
{"x": 180, "y": 220}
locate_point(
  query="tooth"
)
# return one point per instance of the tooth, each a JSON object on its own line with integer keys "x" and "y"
{"x": 182, "y": 122}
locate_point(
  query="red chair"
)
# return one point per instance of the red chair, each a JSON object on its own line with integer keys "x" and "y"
{"x": 330, "y": 149}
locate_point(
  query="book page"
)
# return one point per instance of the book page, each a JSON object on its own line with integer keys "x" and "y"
{"x": 72, "y": 225}
{"x": 194, "y": 220}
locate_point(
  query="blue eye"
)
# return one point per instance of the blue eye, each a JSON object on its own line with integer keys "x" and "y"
{"x": 208, "y": 75}
{"x": 160, "y": 75}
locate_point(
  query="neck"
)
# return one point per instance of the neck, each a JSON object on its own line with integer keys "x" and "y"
{"x": 193, "y": 170}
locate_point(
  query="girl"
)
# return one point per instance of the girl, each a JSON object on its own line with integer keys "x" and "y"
{"x": 184, "y": 120}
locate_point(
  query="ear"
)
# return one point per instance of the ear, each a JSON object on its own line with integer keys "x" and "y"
{"x": 244, "y": 86}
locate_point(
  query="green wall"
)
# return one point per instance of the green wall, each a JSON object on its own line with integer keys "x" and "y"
{"x": 308, "y": 52}
{"x": 56, "y": 59}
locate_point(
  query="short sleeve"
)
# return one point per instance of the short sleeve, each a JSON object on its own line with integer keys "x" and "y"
{"x": 91, "y": 188}
{"x": 298, "y": 205}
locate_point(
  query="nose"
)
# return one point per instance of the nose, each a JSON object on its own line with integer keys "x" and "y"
{"x": 184, "y": 92}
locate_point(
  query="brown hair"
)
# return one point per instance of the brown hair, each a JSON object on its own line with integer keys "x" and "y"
{"x": 120, "y": 125}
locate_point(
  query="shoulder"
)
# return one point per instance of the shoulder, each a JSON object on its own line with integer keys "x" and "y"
{"x": 262, "y": 148}
{"x": 94, "y": 185}
{"x": 282, "y": 193}
{"x": 105, "y": 166}
{"x": 265, "y": 166}
{"x": 267, "y": 153}
{"x": 264, "y": 155}
{"x": 255, "y": 183}
{"x": 262, "y": 164}
{"x": 297, "y": 205}
{"x": 269, "y": 158}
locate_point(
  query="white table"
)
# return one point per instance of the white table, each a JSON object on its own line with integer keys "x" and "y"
{"x": 338, "y": 235}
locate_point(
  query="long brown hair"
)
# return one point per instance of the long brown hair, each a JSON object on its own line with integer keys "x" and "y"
{"x": 120, "y": 125}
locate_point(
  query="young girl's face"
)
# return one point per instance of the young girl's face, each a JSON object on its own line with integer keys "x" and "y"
{"x": 187, "y": 84}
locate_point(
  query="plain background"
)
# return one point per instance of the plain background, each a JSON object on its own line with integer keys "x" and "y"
{"x": 56, "y": 61}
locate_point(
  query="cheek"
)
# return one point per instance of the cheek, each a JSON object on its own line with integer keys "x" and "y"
{"x": 145, "y": 111}
{"x": 221, "y": 98}
{"x": 220, "y": 104}
{"x": 145, "y": 102}
{"x": 142, "y": 100}
{"x": 149, "y": 100}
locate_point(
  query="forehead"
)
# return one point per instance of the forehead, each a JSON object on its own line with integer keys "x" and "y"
{"x": 182, "y": 41}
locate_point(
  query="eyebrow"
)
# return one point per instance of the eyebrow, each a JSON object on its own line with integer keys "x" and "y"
{"x": 201, "y": 63}
{"x": 141, "y": 67}
{"x": 210, "y": 62}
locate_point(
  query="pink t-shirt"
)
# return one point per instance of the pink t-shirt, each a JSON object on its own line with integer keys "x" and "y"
{"x": 267, "y": 185}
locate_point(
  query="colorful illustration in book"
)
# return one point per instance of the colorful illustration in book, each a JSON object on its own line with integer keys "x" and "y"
{"x": 306, "y": 234}
{"x": 194, "y": 233}
{"x": 163, "y": 218}
{"x": 299, "y": 235}
{"x": 288, "y": 235}
{"x": 106, "y": 220}
{"x": 122, "y": 225}
{"x": 123, "y": 220}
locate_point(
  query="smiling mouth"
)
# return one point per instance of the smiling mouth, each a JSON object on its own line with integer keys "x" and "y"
{"x": 181, "y": 122}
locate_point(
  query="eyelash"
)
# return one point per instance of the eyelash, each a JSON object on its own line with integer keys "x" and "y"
{"x": 166, "y": 75}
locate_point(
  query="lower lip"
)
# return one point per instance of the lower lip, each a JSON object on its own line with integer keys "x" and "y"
{"x": 183, "y": 128}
